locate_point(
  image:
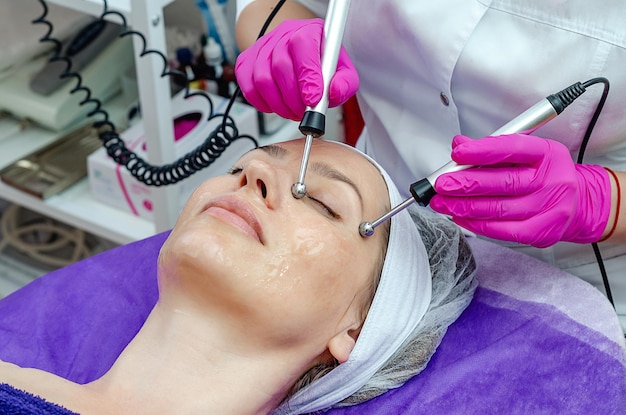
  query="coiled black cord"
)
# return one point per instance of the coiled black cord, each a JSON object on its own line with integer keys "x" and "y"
{"x": 197, "y": 159}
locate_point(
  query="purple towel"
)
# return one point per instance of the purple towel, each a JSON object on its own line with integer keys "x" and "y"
{"x": 534, "y": 340}
{"x": 504, "y": 356}
{"x": 17, "y": 402}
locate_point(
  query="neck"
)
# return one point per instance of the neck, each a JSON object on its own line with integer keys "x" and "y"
{"x": 182, "y": 362}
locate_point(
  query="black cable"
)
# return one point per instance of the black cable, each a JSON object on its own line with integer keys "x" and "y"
{"x": 596, "y": 114}
{"x": 197, "y": 159}
{"x": 581, "y": 154}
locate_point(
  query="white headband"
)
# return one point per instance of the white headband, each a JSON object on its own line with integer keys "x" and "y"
{"x": 401, "y": 300}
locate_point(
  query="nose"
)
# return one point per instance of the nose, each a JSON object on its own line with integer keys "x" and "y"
{"x": 264, "y": 180}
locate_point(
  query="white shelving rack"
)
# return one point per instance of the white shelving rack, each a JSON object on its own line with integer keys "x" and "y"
{"x": 76, "y": 206}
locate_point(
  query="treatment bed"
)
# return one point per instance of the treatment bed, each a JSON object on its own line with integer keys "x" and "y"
{"x": 534, "y": 340}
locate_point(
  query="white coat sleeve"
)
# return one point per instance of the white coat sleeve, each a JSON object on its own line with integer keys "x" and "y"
{"x": 241, "y": 4}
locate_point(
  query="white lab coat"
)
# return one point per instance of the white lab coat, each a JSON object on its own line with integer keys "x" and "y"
{"x": 432, "y": 69}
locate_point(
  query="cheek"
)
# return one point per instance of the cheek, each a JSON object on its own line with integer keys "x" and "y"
{"x": 310, "y": 268}
{"x": 318, "y": 247}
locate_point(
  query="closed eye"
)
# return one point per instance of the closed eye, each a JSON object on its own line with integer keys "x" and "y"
{"x": 324, "y": 207}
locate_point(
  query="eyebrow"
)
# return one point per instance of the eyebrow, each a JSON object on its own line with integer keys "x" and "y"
{"x": 322, "y": 168}
{"x": 274, "y": 150}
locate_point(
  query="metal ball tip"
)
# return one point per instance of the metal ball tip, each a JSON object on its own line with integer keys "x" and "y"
{"x": 298, "y": 190}
{"x": 366, "y": 229}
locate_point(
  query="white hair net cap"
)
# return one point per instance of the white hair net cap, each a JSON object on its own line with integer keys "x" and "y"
{"x": 401, "y": 300}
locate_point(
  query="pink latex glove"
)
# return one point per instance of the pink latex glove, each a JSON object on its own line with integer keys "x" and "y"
{"x": 281, "y": 72}
{"x": 527, "y": 190}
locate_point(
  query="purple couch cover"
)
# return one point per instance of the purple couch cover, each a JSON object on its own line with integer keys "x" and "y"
{"x": 534, "y": 340}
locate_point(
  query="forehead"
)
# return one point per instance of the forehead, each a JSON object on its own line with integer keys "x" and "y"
{"x": 331, "y": 152}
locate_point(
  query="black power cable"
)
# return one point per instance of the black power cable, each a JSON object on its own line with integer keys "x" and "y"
{"x": 581, "y": 154}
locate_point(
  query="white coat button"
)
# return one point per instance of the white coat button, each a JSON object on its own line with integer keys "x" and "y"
{"x": 444, "y": 99}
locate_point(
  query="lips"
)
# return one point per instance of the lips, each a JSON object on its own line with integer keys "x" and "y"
{"x": 237, "y": 213}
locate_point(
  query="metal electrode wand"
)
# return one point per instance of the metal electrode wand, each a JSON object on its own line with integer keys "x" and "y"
{"x": 423, "y": 190}
{"x": 313, "y": 122}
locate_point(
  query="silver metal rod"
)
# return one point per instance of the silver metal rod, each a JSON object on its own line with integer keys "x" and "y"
{"x": 298, "y": 190}
{"x": 313, "y": 123}
{"x": 526, "y": 122}
{"x": 334, "y": 25}
{"x": 367, "y": 228}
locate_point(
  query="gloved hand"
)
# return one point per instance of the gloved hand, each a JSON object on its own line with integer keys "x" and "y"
{"x": 527, "y": 190}
{"x": 281, "y": 72}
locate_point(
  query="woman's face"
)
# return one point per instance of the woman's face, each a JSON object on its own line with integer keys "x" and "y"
{"x": 282, "y": 268}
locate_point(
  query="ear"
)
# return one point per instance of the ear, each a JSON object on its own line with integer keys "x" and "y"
{"x": 341, "y": 346}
